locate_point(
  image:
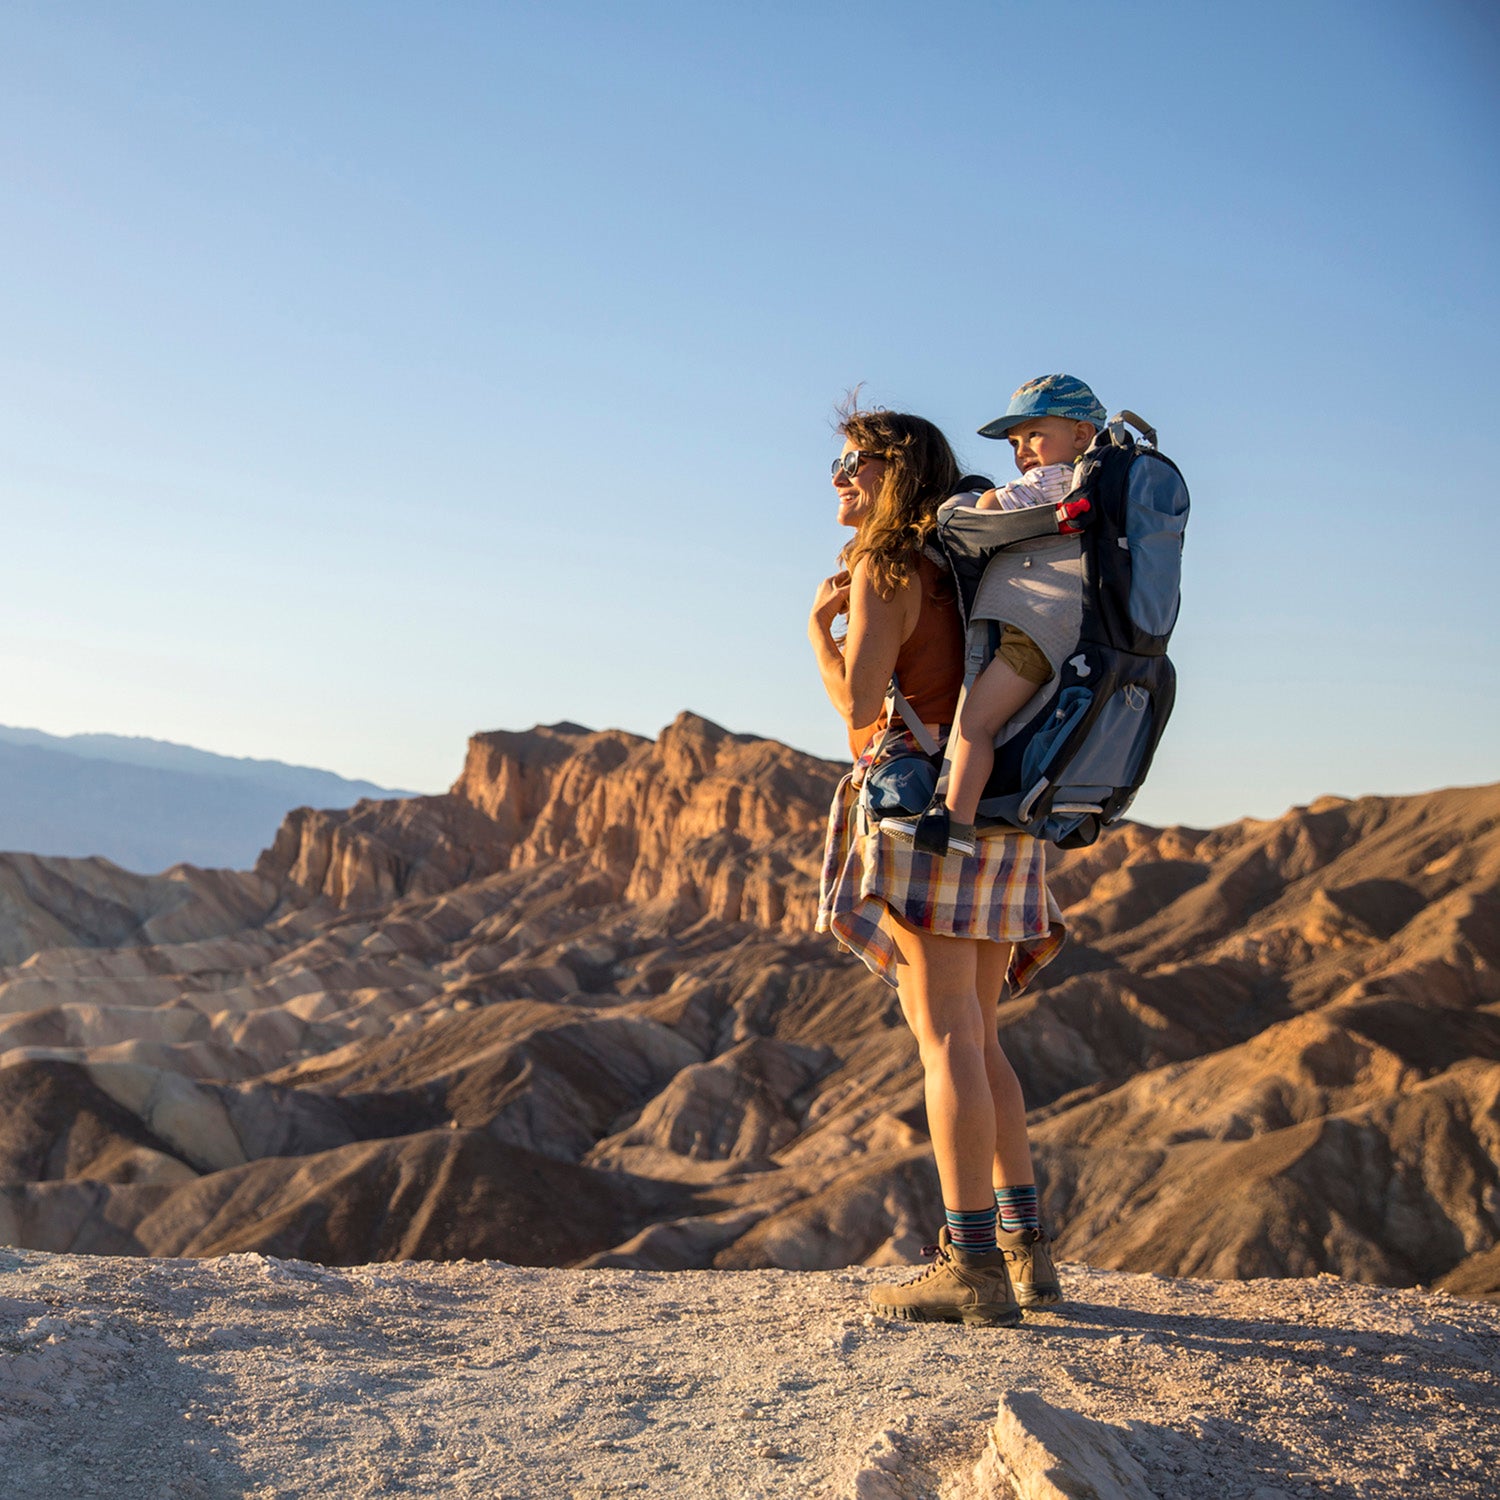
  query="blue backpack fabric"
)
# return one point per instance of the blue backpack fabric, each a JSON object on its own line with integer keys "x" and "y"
{"x": 1071, "y": 764}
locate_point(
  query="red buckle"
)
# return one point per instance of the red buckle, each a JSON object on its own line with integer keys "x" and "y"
{"x": 1067, "y": 510}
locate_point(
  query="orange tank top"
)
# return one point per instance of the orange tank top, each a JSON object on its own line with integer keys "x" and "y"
{"x": 930, "y": 663}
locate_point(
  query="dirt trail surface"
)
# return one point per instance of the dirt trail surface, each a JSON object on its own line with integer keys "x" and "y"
{"x": 250, "y": 1376}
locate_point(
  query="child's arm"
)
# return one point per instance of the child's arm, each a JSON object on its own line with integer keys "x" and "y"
{"x": 1039, "y": 487}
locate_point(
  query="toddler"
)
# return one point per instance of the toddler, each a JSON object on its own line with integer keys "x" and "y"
{"x": 1049, "y": 423}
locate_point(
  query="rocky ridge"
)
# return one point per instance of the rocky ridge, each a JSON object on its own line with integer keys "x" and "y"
{"x": 586, "y": 975}
{"x": 700, "y": 823}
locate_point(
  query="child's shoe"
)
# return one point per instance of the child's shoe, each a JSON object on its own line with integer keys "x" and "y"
{"x": 960, "y": 1286}
{"x": 1032, "y": 1274}
{"x": 930, "y": 833}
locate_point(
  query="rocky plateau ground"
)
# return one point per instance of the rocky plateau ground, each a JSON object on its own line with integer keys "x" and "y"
{"x": 250, "y": 1376}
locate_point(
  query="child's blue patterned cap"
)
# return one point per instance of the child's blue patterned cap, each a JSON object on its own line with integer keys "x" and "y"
{"x": 1048, "y": 396}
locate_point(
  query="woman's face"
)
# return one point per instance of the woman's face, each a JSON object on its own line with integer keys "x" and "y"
{"x": 857, "y": 492}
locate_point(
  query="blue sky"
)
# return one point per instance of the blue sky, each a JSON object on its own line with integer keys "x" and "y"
{"x": 374, "y": 374}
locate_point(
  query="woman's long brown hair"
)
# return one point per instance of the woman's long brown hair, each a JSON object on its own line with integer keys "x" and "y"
{"x": 920, "y": 473}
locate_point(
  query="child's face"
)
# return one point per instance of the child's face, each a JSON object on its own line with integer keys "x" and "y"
{"x": 1048, "y": 440}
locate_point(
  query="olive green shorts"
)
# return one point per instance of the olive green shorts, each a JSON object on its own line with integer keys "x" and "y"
{"x": 1023, "y": 656}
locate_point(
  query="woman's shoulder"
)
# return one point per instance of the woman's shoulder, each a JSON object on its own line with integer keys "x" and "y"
{"x": 862, "y": 578}
{"x": 900, "y": 604}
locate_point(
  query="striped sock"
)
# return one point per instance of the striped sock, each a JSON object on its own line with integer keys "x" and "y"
{"x": 972, "y": 1230}
{"x": 1017, "y": 1208}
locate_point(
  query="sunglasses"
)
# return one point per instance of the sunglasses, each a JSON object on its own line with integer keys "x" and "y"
{"x": 851, "y": 463}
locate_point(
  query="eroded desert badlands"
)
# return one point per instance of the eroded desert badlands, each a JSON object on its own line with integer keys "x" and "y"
{"x": 586, "y": 976}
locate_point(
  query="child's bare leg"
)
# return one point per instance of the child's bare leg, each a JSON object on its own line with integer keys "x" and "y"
{"x": 994, "y": 698}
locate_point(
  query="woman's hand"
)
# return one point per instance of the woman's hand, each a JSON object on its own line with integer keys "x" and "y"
{"x": 857, "y": 671}
{"x": 831, "y": 601}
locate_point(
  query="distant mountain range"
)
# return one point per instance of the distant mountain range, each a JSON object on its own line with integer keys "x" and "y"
{"x": 148, "y": 804}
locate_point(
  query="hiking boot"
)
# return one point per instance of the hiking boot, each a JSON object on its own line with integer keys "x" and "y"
{"x": 1032, "y": 1274}
{"x": 960, "y": 1286}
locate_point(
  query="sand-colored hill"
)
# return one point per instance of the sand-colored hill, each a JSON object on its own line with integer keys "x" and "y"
{"x": 585, "y": 976}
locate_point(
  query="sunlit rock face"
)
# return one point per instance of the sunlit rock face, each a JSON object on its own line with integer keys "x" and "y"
{"x": 700, "y": 823}
{"x": 573, "y": 1011}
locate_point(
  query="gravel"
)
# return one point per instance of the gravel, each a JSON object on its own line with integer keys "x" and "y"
{"x": 251, "y": 1376}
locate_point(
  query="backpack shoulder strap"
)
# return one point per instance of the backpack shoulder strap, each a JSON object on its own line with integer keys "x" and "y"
{"x": 895, "y": 703}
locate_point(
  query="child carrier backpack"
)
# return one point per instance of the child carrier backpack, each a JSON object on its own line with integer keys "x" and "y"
{"x": 1101, "y": 570}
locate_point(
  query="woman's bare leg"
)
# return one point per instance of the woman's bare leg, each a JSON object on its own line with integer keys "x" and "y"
{"x": 940, "y": 999}
{"x": 1012, "y": 1147}
{"x": 1032, "y": 1272}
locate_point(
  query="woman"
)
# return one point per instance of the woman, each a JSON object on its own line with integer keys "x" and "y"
{"x": 946, "y": 931}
